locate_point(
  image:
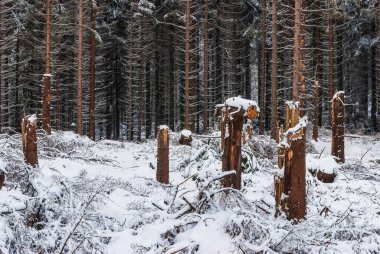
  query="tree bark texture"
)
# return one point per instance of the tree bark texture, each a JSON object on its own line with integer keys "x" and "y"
{"x": 46, "y": 80}
{"x": 293, "y": 184}
{"x": 187, "y": 67}
{"x": 296, "y": 50}
{"x": 331, "y": 64}
{"x": 337, "y": 145}
{"x": 80, "y": 70}
{"x": 233, "y": 120}
{"x": 262, "y": 87}
{"x": 274, "y": 115}
{"x": 231, "y": 159}
{"x": 205, "y": 70}
{"x": 162, "y": 174}
{"x": 92, "y": 73}
{"x": 29, "y": 140}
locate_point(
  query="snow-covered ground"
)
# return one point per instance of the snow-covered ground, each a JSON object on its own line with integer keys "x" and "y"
{"x": 102, "y": 197}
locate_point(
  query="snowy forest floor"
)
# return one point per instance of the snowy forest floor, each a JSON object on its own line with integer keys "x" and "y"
{"x": 102, "y": 197}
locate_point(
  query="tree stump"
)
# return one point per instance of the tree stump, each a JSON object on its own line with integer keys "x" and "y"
{"x": 2, "y": 179}
{"x": 325, "y": 177}
{"x": 234, "y": 112}
{"x": 185, "y": 138}
{"x": 162, "y": 173}
{"x": 279, "y": 178}
{"x": 29, "y": 140}
{"x": 337, "y": 145}
{"x": 293, "y": 183}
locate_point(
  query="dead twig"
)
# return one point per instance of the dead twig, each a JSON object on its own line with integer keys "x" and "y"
{"x": 320, "y": 155}
{"x": 366, "y": 153}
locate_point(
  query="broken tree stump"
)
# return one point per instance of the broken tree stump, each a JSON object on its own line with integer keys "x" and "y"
{"x": 234, "y": 111}
{"x": 325, "y": 177}
{"x": 337, "y": 145}
{"x": 294, "y": 163}
{"x": 162, "y": 173}
{"x": 279, "y": 177}
{"x": 185, "y": 138}
{"x": 29, "y": 140}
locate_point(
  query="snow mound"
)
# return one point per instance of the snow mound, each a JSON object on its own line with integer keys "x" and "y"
{"x": 239, "y": 102}
{"x": 326, "y": 164}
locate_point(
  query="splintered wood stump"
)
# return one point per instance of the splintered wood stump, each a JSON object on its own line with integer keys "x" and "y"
{"x": 29, "y": 140}
{"x": 234, "y": 112}
{"x": 337, "y": 145}
{"x": 162, "y": 174}
{"x": 295, "y": 179}
{"x": 279, "y": 178}
{"x": 185, "y": 138}
{"x": 292, "y": 160}
{"x": 232, "y": 153}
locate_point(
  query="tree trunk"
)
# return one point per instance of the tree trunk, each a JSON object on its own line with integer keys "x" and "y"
{"x": 231, "y": 159}
{"x": 130, "y": 90}
{"x": 142, "y": 79}
{"x": 148, "y": 106}
{"x": 302, "y": 68}
{"x": 29, "y": 140}
{"x": 316, "y": 64}
{"x": 92, "y": 72}
{"x": 331, "y": 63}
{"x": 296, "y": 50}
{"x": 262, "y": 69}
{"x": 295, "y": 167}
{"x": 337, "y": 145}
{"x": 205, "y": 70}
{"x": 297, "y": 190}
{"x": 1, "y": 66}
{"x": 374, "y": 102}
{"x": 234, "y": 50}
{"x": 187, "y": 66}
{"x": 162, "y": 174}
{"x": 80, "y": 69}
{"x": 274, "y": 104}
{"x": 46, "y": 80}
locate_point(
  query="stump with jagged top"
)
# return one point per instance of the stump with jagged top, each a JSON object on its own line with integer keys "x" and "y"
{"x": 29, "y": 140}
{"x": 233, "y": 113}
{"x": 290, "y": 184}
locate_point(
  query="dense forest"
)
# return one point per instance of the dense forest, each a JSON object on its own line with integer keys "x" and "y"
{"x": 117, "y": 69}
{"x": 185, "y": 126}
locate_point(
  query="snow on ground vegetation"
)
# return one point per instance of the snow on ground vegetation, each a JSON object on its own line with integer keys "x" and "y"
{"x": 102, "y": 197}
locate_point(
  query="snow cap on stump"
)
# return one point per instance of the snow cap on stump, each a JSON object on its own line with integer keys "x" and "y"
{"x": 250, "y": 107}
{"x": 185, "y": 138}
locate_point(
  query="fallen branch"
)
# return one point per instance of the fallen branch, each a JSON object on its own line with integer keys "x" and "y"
{"x": 320, "y": 155}
{"x": 366, "y": 153}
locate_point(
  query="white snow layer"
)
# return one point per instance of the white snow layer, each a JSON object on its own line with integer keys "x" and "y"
{"x": 139, "y": 215}
{"x": 239, "y": 102}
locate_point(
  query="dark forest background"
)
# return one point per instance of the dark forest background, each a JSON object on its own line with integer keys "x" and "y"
{"x": 155, "y": 60}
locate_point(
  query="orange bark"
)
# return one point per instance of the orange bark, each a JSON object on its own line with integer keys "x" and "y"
{"x": 29, "y": 141}
{"x": 162, "y": 174}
